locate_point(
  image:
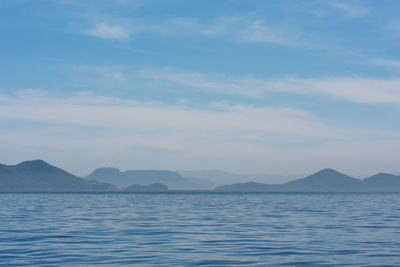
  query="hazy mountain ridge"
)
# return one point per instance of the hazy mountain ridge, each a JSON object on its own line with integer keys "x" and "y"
{"x": 219, "y": 177}
{"x": 39, "y": 176}
{"x": 144, "y": 177}
{"x": 326, "y": 180}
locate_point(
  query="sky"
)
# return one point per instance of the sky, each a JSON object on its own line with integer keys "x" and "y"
{"x": 278, "y": 87}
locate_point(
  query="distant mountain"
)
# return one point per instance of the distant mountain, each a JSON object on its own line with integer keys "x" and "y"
{"x": 144, "y": 177}
{"x": 327, "y": 180}
{"x": 382, "y": 182}
{"x": 157, "y": 187}
{"x": 219, "y": 177}
{"x": 39, "y": 176}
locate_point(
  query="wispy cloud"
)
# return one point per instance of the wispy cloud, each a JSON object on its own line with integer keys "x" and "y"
{"x": 388, "y": 63}
{"x": 259, "y": 32}
{"x": 356, "y": 89}
{"x": 236, "y": 28}
{"x": 106, "y": 31}
{"x": 104, "y": 72}
{"x": 205, "y": 82}
{"x": 349, "y": 9}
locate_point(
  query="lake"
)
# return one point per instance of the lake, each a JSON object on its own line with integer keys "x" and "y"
{"x": 200, "y": 228}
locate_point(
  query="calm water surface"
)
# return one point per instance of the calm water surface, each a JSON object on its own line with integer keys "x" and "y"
{"x": 184, "y": 229}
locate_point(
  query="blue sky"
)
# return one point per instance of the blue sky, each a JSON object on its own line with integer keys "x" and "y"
{"x": 281, "y": 87}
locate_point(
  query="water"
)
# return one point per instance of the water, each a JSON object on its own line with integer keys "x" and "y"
{"x": 184, "y": 229}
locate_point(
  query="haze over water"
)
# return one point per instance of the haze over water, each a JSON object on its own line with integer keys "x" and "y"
{"x": 145, "y": 95}
{"x": 282, "y": 87}
{"x": 200, "y": 229}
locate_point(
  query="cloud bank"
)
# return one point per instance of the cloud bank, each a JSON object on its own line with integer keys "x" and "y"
{"x": 107, "y": 130}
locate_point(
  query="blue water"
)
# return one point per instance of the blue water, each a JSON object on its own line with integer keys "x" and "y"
{"x": 184, "y": 229}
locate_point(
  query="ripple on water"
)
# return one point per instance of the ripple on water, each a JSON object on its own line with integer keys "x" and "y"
{"x": 200, "y": 229}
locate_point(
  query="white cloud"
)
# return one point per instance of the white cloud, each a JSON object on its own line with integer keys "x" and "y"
{"x": 99, "y": 111}
{"x": 237, "y": 28}
{"x": 106, "y": 31}
{"x": 214, "y": 122}
{"x": 350, "y": 10}
{"x": 356, "y": 89}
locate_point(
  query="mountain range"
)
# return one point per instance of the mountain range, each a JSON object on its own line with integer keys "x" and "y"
{"x": 219, "y": 177}
{"x": 39, "y": 176}
{"x": 326, "y": 180}
{"x": 170, "y": 178}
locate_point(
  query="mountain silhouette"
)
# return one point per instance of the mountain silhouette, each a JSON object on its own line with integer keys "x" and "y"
{"x": 326, "y": 180}
{"x": 143, "y": 177}
{"x": 38, "y": 175}
{"x": 382, "y": 182}
{"x": 218, "y": 177}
